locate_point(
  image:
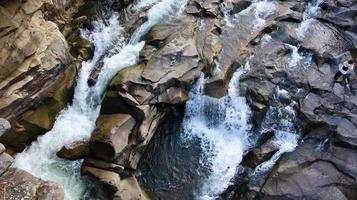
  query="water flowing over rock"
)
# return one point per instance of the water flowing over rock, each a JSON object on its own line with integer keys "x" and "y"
{"x": 177, "y": 99}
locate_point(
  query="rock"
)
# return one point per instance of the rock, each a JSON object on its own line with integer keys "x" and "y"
{"x": 334, "y": 43}
{"x": 5, "y": 162}
{"x": 20, "y": 184}
{"x": 2, "y": 148}
{"x": 75, "y": 151}
{"x": 37, "y": 72}
{"x": 260, "y": 154}
{"x": 131, "y": 155}
{"x": 209, "y": 43}
{"x": 109, "y": 179}
{"x": 340, "y": 14}
{"x": 169, "y": 71}
{"x": 4, "y": 126}
{"x": 130, "y": 190}
{"x": 103, "y": 165}
{"x": 215, "y": 88}
{"x": 313, "y": 171}
{"x": 111, "y": 136}
{"x": 203, "y": 8}
{"x": 35, "y": 122}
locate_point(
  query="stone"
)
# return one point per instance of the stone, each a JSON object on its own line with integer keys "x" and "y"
{"x": 2, "y": 148}
{"x": 103, "y": 165}
{"x": 4, "y": 126}
{"x": 260, "y": 154}
{"x": 20, "y": 184}
{"x": 111, "y": 136}
{"x": 130, "y": 190}
{"x": 109, "y": 179}
{"x": 312, "y": 172}
{"x": 75, "y": 151}
{"x": 5, "y": 162}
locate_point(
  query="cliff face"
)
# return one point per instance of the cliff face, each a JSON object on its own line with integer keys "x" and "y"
{"x": 37, "y": 73}
{"x": 37, "y": 70}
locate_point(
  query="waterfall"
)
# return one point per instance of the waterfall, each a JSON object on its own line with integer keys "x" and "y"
{"x": 163, "y": 11}
{"x": 312, "y": 11}
{"x": 222, "y": 126}
{"x": 295, "y": 56}
{"x": 77, "y": 121}
{"x": 281, "y": 119}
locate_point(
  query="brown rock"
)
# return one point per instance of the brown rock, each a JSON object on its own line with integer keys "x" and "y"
{"x": 20, "y": 184}
{"x": 75, "y": 151}
{"x": 110, "y": 179}
{"x": 261, "y": 154}
{"x": 4, "y": 126}
{"x": 130, "y": 190}
{"x": 103, "y": 165}
{"x": 5, "y": 162}
{"x": 2, "y": 148}
{"x": 111, "y": 135}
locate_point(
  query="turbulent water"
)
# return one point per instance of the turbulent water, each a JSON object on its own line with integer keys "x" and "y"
{"x": 222, "y": 126}
{"x": 311, "y": 12}
{"x": 281, "y": 119}
{"x": 77, "y": 121}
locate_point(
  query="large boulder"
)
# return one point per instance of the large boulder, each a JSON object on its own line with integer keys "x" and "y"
{"x": 75, "y": 151}
{"x": 19, "y": 184}
{"x": 318, "y": 169}
{"x": 111, "y": 136}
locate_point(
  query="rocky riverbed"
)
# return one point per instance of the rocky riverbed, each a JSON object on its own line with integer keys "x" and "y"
{"x": 176, "y": 99}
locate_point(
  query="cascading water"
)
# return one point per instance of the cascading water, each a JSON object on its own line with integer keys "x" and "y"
{"x": 40, "y": 158}
{"x": 312, "y": 11}
{"x": 222, "y": 126}
{"x": 281, "y": 119}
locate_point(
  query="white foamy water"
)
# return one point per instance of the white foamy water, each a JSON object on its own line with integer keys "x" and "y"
{"x": 312, "y": 11}
{"x": 144, "y": 4}
{"x": 222, "y": 126}
{"x": 261, "y": 10}
{"x": 164, "y": 11}
{"x": 77, "y": 121}
{"x": 226, "y": 14}
{"x": 281, "y": 119}
{"x": 295, "y": 56}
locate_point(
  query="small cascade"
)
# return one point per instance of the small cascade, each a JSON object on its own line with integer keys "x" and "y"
{"x": 311, "y": 12}
{"x": 223, "y": 127}
{"x": 40, "y": 158}
{"x": 281, "y": 119}
{"x": 163, "y": 11}
{"x": 295, "y": 56}
{"x": 226, "y": 14}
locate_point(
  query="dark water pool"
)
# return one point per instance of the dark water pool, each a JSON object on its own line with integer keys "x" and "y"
{"x": 171, "y": 168}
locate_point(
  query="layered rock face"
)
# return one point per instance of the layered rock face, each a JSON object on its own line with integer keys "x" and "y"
{"x": 37, "y": 70}
{"x": 36, "y": 80}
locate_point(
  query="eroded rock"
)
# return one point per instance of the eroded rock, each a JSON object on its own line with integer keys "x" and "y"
{"x": 74, "y": 151}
